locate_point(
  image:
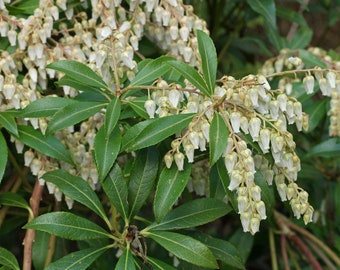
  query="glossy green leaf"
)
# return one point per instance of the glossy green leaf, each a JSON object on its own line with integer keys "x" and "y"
{"x": 316, "y": 112}
{"x": 222, "y": 250}
{"x": 79, "y": 85}
{"x": 192, "y": 214}
{"x": 143, "y": 176}
{"x": 13, "y": 199}
{"x": 310, "y": 60}
{"x": 291, "y": 15}
{"x": 159, "y": 265}
{"x": 137, "y": 104}
{"x": 185, "y": 248}
{"x": 81, "y": 259}
{"x": 302, "y": 38}
{"x": 67, "y": 225}
{"x": 126, "y": 261}
{"x": 47, "y": 145}
{"x": 243, "y": 242}
{"x": 115, "y": 187}
{"x": 326, "y": 149}
{"x": 131, "y": 134}
{"x": 73, "y": 114}
{"x": 159, "y": 129}
{"x": 3, "y": 156}
{"x": 76, "y": 188}
{"x": 40, "y": 249}
{"x": 191, "y": 75}
{"x": 267, "y": 9}
{"x": 8, "y": 259}
{"x": 8, "y": 122}
{"x": 112, "y": 115}
{"x": 218, "y": 135}
{"x": 45, "y": 107}
{"x": 208, "y": 55}
{"x": 225, "y": 180}
{"x": 79, "y": 72}
{"x": 151, "y": 71}
{"x": 106, "y": 149}
{"x": 170, "y": 186}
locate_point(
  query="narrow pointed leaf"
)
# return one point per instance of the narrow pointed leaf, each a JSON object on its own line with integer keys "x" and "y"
{"x": 79, "y": 72}
{"x": 67, "y": 225}
{"x": 73, "y": 114}
{"x": 192, "y": 214}
{"x": 311, "y": 60}
{"x": 137, "y": 104}
{"x": 81, "y": 259}
{"x": 126, "y": 261}
{"x": 222, "y": 250}
{"x": 218, "y": 134}
{"x": 170, "y": 186}
{"x": 185, "y": 248}
{"x": 8, "y": 259}
{"x": 3, "y": 156}
{"x": 151, "y": 71}
{"x": 115, "y": 187}
{"x": 159, "y": 265}
{"x": 13, "y": 199}
{"x": 316, "y": 111}
{"x": 106, "y": 149}
{"x": 76, "y": 188}
{"x": 302, "y": 38}
{"x": 191, "y": 75}
{"x": 143, "y": 176}
{"x": 47, "y": 145}
{"x": 79, "y": 85}
{"x": 8, "y": 122}
{"x": 326, "y": 149}
{"x": 208, "y": 54}
{"x": 45, "y": 107}
{"x": 267, "y": 9}
{"x": 112, "y": 115}
{"x": 158, "y": 130}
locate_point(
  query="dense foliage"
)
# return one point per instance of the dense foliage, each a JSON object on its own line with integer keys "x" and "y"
{"x": 136, "y": 135}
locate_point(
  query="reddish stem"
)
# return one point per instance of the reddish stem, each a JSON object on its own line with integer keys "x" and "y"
{"x": 284, "y": 252}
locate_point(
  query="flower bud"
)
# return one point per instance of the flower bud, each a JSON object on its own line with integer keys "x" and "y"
{"x": 150, "y": 107}
{"x": 179, "y": 160}
{"x": 242, "y": 203}
{"x": 261, "y": 209}
{"x": 254, "y": 225}
{"x": 235, "y": 119}
{"x": 331, "y": 77}
{"x": 308, "y": 83}
{"x": 245, "y": 220}
{"x": 254, "y": 128}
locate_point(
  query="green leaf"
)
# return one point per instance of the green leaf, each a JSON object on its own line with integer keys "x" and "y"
{"x": 137, "y": 104}
{"x": 151, "y": 71}
{"x": 79, "y": 85}
{"x": 326, "y": 149}
{"x": 112, "y": 115}
{"x": 40, "y": 249}
{"x": 45, "y": 107}
{"x": 275, "y": 39}
{"x": 191, "y": 75}
{"x": 159, "y": 265}
{"x": 170, "y": 186}
{"x": 126, "y": 261}
{"x": 208, "y": 54}
{"x": 8, "y": 259}
{"x": 47, "y": 145}
{"x": 8, "y": 122}
{"x": 316, "y": 112}
{"x": 267, "y": 194}
{"x": 3, "y": 156}
{"x": 222, "y": 250}
{"x": 266, "y": 8}
{"x": 143, "y": 176}
{"x": 158, "y": 130}
{"x": 243, "y": 242}
{"x": 310, "y": 59}
{"x": 79, "y": 72}
{"x": 73, "y": 114}
{"x": 132, "y": 133}
{"x": 185, "y": 248}
{"x": 106, "y": 149}
{"x": 192, "y": 214}
{"x": 67, "y": 225}
{"x": 291, "y": 15}
{"x": 218, "y": 135}
{"x": 115, "y": 187}
{"x": 13, "y": 199}
{"x": 81, "y": 259}
{"x": 301, "y": 39}
{"x": 76, "y": 188}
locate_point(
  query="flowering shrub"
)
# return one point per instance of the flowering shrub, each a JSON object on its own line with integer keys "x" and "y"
{"x": 101, "y": 125}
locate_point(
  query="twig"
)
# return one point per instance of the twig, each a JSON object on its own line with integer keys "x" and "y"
{"x": 284, "y": 252}
{"x": 272, "y": 250}
{"x": 30, "y": 234}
